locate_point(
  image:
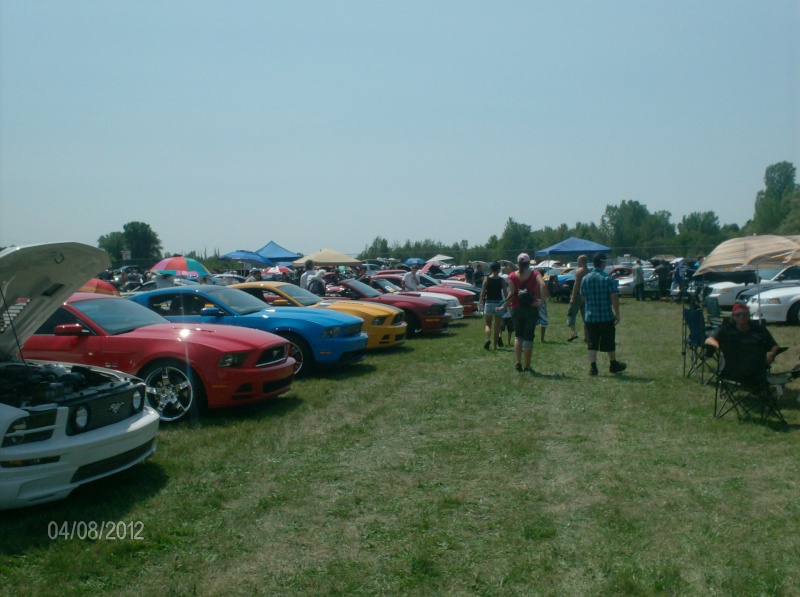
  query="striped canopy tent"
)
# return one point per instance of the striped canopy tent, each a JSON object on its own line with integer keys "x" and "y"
{"x": 748, "y": 253}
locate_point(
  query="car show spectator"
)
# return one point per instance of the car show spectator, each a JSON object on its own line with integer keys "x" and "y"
{"x": 307, "y": 274}
{"x": 602, "y": 315}
{"x": 478, "y": 275}
{"x": 255, "y": 276}
{"x": 493, "y": 289}
{"x": 576, "y": 302}
{"x": 663, "y": 272}
{"x": 411, "y": 280}
{"x": 638, "y": 281}
{"x": 523, "y": 298}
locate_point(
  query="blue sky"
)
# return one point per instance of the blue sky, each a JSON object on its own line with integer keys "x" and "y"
{"x": 224, "y": 125}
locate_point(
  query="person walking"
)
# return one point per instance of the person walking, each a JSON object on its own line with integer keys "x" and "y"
{"x": 638, "y": 281}
{"x": 576, "y": 303}
{"x": 507, "y": 321}
{"x": 524, "y": 299}
{"x": 493, "y": 289}
{"x": 602, "y": 315}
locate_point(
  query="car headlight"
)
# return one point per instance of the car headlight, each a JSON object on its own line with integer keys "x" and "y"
{"x": 33, "y": 428}
{"x": 378, "y": 321}
{"x": 332, "y": 332}
{"x": 80, "y": 418}
{"x": 137, "y": 400}
{"x": 772, "y": 301}
{"x": 232, "y": 359}
{"x": 726, "y": 291}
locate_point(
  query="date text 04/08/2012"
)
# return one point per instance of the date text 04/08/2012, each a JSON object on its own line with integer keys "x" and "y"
{"x": 103, "y": 530}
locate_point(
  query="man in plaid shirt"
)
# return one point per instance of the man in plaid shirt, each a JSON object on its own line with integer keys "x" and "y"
{"x": 601, "y": 296}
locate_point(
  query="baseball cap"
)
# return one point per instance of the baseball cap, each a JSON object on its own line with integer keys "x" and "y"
{"x": 740, "y": 307}
{"x": 523, "y": 258}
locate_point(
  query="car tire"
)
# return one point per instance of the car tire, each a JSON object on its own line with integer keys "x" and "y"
{"x": 174, "y": 390}
{"x": 301, "y": 352}
{"x": 794, "y": 314}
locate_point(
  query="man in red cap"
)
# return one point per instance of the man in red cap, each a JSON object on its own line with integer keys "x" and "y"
{"x": 748, "y": 346}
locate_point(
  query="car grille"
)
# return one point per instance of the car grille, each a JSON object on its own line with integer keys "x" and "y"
{"x": 353, "y": 330}
{"x": 436, "y": 310}
{"x": 114, "y": 463}
{"x": 115, "y": 405}
{"x": 271, "y": 356}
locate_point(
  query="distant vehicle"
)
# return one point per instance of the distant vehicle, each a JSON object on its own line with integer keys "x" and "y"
{"x": 625, "y": 283}
{"x": 780, "y": 304}
{"x": 726, "y": 292}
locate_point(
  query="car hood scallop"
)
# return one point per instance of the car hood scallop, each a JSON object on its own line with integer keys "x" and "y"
{"x": 35, "y": 280}
{"x": 222, "y": 337}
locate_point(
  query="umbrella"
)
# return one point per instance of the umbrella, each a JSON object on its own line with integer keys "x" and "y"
{"x": 747, "y": 253}
{"x": 414, "y": 261}
{"x": 99, "y": 286}
{"x": 327, "y": 257}
{"x": 278, "y": 269}
{"x": 181, "y": 266}
{"x": 246, "y": 257}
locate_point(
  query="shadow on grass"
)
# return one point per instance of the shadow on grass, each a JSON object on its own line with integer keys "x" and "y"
{"x": 106, "y": 500}
{"x": 274, "y": 407}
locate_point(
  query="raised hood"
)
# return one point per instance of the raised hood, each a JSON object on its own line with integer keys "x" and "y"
{"x": 35, "y": 280}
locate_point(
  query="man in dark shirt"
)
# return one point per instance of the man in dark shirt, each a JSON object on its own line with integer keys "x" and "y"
{"x": 748, "y": 347}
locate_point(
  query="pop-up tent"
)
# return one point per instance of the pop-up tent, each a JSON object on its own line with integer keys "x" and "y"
{"x": 572, "y": 246}
{"x": 276, "y": 253}
{"x": 327, "y": 257}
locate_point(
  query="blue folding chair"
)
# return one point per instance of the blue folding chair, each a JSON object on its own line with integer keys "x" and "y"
{"x": 697, "y": 358}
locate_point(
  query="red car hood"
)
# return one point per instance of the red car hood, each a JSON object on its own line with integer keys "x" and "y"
{"x": 223, "y": 337}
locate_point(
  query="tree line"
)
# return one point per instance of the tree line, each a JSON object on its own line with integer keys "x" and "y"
{"x": 628, "y": 228}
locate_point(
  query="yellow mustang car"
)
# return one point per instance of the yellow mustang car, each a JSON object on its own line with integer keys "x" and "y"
{"x": 384, "y": 324}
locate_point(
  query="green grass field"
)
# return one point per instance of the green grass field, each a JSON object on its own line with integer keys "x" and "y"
{"x": 435, "y": 469}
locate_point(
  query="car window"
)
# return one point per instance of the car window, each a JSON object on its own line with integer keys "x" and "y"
{"x": 117, "y": 316}
{"x": 60, "y": 317}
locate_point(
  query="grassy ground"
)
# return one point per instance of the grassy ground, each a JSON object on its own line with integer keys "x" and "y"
{"x": 436, "y": 469}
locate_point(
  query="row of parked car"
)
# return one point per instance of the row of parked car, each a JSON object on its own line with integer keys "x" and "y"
{"x": 86, "y": 379}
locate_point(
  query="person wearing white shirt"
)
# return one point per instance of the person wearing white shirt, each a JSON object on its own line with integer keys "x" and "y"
{"x": 411, "y": 280}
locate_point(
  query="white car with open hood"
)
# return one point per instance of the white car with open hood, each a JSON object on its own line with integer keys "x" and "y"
{"x": 61, "y": 425}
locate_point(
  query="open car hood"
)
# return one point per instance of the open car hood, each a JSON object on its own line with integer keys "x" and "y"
{"x": 35, "y": 280}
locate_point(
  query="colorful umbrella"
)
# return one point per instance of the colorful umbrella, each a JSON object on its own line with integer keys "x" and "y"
{"x": 99, "y": 286}
{"x": 278, "y": 269}
{"x": 181, "y": 266}
{"x": 414, "y": 261}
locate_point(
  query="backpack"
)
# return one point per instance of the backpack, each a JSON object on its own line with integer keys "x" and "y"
{"x": 524, "y": 295}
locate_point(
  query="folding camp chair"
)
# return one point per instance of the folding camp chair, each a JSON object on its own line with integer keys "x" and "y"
{"x": 697, "y": 358}
{"x": 713, "y": 312}
{"x": 757, "y": 394}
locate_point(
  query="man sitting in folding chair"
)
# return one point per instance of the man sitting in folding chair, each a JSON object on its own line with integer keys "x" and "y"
{"x": 748, "y": 351}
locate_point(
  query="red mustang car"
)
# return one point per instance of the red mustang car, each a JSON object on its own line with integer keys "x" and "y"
{"x": 423, "y": 315}
{"x": 186, "y": 367}
{"x": 465, "y": 297}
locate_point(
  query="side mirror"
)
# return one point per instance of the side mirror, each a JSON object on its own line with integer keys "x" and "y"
{"x": 280, "y": 303}
{"x": 211, "y": 312}
{"x": 70, "y": 329}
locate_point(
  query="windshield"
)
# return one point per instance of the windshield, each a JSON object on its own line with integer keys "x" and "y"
{"x": 387, "y": 286}
{"x": 769, "y": 274}
{"x": 362, "y": 288}
{"x": 300, "y": 295}
{"x": 236, "y": 300}
{"x": 117, "y": 316}
{"x": 428, "y": 280}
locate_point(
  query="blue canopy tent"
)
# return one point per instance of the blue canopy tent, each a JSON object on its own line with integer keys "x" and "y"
{"x": 572, "y": 246}
{"x": 274, "y": 252}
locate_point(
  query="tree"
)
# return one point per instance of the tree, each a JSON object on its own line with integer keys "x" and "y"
{"x": 113, "y": 243}
{"x": 142, "y": 242}
{"x": 775, "y": 202}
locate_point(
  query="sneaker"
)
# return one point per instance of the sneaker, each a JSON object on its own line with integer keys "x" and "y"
{"x": 572, "y": 338}
{"x": 518, "y": 368}
{"x": 593, "y": 370}
{"x": 487, "y": 345}
{"x": 529, "y": 370}
{"x": 617, "y": 367}
{"x": 500, "y": 342}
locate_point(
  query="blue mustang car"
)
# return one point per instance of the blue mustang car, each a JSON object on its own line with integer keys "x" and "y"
{"x": 318, "y": 337}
